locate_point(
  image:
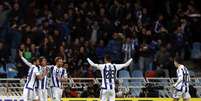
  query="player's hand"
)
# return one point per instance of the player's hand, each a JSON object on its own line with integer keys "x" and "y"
{"x": 45, "y": 72}
{"x": 20, "y": 53}
{"x": 59, "y": 78}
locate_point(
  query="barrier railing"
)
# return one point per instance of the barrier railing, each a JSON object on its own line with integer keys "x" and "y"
{"x": 14, "y": 86}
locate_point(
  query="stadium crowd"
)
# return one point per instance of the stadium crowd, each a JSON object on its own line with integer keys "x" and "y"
{"x": 151, "y": 32}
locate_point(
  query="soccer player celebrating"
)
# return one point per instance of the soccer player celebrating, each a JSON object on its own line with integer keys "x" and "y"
{"x": 58, "y": 75}
{"x": 182, "y": 84}
{"x": 33, "y": 74}
{"x": 41, "y": 85}
{"x": 108, "y": 72}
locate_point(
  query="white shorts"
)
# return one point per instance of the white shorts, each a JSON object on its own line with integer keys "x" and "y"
{"x": 28, "y": 94}
{"x": 178, "y": 94}
{"x": 106, "y": 95}
{"x": 56, "y": 93}
{"x": 41, "y": 94}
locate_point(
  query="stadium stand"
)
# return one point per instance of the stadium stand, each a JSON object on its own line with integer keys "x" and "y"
{"x": 151, "y": 32}
{"x": 146, "y": 31}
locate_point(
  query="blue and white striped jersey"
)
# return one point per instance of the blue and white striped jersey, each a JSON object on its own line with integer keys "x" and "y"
{"x": 183, "y": 79}
{"x": 41, "y": 84}
{"x": 108, "y": 72}
{"x": 55, "y": 74}
{"x": 32, "y": 73}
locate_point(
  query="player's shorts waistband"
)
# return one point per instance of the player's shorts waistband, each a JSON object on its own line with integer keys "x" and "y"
{"x": 54, "y": 87}
{"x": 29, "y": 88}
{"x": 41, "y": 88}
{"x": 106, "y": 89}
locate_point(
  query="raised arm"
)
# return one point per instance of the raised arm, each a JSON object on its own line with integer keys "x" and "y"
{"x": 120, "y": 66}
{"x": 92, "y": 63}
{"x": 98, "y": 66}
{"x": 24, "y": 60}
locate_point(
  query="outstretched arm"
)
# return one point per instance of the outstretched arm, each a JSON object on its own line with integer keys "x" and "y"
{"x": 92, "y": 63}
{"x": 98, "y": 66}
{"x": 120, "y": 66}
{"x": 24, "y": 60}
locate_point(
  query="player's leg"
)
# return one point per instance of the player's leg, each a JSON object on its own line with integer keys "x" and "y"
{"x": 60, "y": 94}
{"x": 103, "y": 96}
{"x": 30, "y": 95}
{"x": 49, "y": 92}
{"x": 186, "y": 96}
{"x": 40, "y": 94}
{"x": 45, "y": 95}
{"x": 25, "y": 94}
{"x": 36, "y": 97}
{"x": 53, "y": 91}
{"x": 111, "y": 95}
{"x": 176, "y": 95}
{"x": 55, "y": 94}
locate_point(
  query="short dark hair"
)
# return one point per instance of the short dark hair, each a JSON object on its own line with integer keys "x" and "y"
{"x": 41, "y": 58}
{"x": 178, "y": 60}
{"x": 57, "y": 58}
{"x": 108, "y": 58}
{"x": 34, "y": 59}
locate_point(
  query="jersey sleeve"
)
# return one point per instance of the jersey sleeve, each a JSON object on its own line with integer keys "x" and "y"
{"x": 36, "y": 71}
{"x": 26, "y": 62}
{"x": 98, "y": 66}
{"x": 120, "y": 66}
{"x": 179, "y": 76}
{"x": 65, "y": 75}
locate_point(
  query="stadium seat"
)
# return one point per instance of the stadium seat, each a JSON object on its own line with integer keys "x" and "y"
{"x": 196, "y": 51}
{"x": 137, "y": 73}
{"x": 124, "y": 74}
{"x": 11, "y": 70}
{"x": 137, "y": 82}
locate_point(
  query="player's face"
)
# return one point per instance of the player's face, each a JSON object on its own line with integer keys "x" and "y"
{"x": 37, "y": 62}
{"x": 44, "y": 62}
{"x": 60, "y": 62}
{"x": 65, "y": 65}
{"x": 105, "y": 60}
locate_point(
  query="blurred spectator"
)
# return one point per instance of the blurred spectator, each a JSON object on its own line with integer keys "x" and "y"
{"x": 3, "y": 54}
{"x": 73, "y": 93}
{"x": 145, "y": 57}
{"x": 145, "y": 31}
{"x": 27, "y": 54}
{"x": 114, "y": 48}
{"x": 149, "y": 91}
{"x": 100, "y": 50}
{"x": 5, "y": 9}
{"x": 162, "y": 57}
{"x": 129, "y": 48}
